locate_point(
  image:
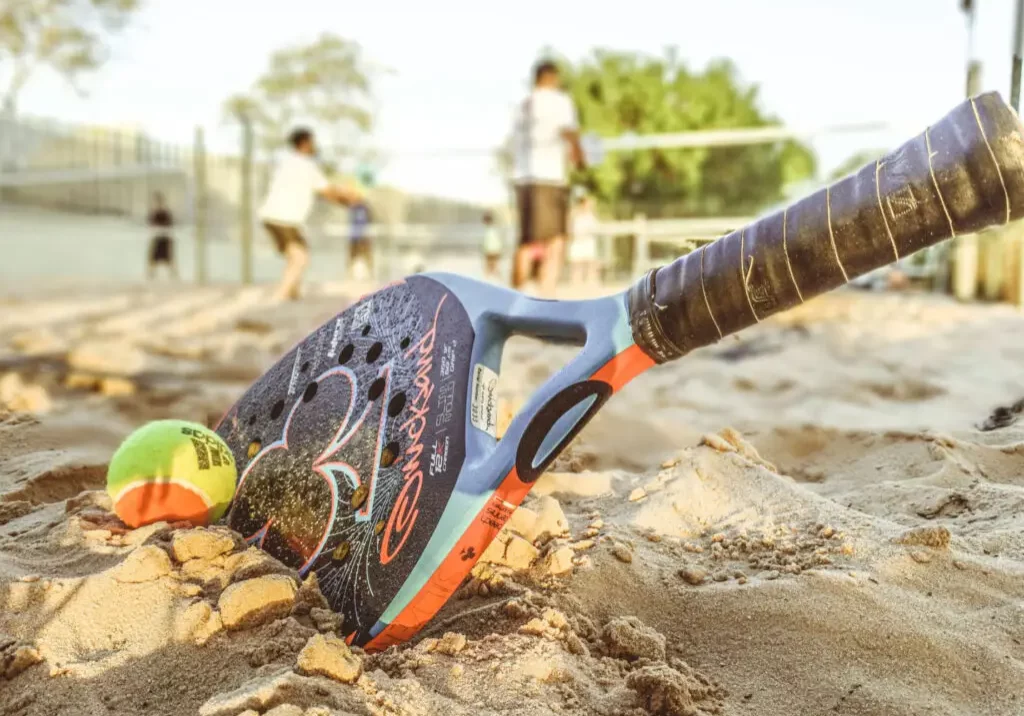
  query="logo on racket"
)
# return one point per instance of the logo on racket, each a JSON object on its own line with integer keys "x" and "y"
{"x": 403, "y": 514}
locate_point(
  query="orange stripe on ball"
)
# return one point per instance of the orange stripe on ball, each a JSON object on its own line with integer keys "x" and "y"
{"x": 148, "y": 502}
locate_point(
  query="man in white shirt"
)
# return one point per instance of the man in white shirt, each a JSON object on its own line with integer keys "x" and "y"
{"x": 296, "y": 184}
{"x": 546, "y": 131}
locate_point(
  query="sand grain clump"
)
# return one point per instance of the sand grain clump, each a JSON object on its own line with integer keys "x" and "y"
{"x": 256, "y": 601}
{"x": 329, "y": 656}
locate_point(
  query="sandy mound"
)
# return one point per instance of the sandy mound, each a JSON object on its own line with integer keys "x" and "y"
{"x": 851, "y": 544}
{"x": 169, "y": 621}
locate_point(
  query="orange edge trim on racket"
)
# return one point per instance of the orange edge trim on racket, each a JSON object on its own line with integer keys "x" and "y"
{"x": 492, "y": 517}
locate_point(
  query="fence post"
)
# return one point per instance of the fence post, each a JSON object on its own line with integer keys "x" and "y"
{"x": 1017, "y": 242}
{"x": 387, "y": 271}
{"x": 96, "y": 138}
{"x": 199, "y": 197}
{"x": 245, "y": 208}
{"x": 641, "y": 246}
{"x": 965, "y": 267}
{"x": 8, "y": 134}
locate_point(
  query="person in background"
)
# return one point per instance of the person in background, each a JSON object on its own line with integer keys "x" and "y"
{"x": 161, "y": 247}
{"x": 296, "y": 184}
{"x": 545, "y": 131}
{"x": 491, "y": 247}
{"x": 360, "y": 254}
{"x": 583, "y": 254}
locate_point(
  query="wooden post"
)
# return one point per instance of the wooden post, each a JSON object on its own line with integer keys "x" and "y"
{"x": 245, "y": 205}
{"x": 8, "y": 135}
{"x": 1015, "y": 79}
{"x": 965, "y": 267}
{"x": 381, "y": 263}
{"x": 959, "y": 268}
{"x": 641, "y": 247}
{"x": 96, "y": 162}
{"x": 199, "y": 198}
{"x": 391, "y": 259}
{"x": 970, "y": 248}
{"x": 1017, "y": 249}
{"x": 991, "y": 260}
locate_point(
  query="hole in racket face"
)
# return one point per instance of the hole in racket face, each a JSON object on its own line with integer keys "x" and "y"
{"x": 374, "y": 353}
{"x": 310, "y": 391}
{"x": 396, "y": 405}
{"x": 376, "y": 389}
{"x": 346, "y": 354}
{"x": 356, "y": 442}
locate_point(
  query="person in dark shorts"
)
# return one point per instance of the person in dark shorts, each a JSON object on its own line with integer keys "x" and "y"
{"x": 161, "y": 247}
{"x": 296, "y": 184}
{"x": 546, "y": 131}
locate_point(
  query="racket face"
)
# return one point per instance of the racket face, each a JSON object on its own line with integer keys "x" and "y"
{"x": 368, "y": 453}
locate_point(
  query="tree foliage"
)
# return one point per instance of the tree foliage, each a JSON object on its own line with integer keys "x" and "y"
{"x": 65, "y": 36}
{"x": 621, "y": 92}
{"x": 325, "y": 84}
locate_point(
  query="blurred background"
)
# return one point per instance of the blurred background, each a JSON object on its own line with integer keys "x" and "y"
{"x": 105, "y": 102}
{"x": 826, "y": 509}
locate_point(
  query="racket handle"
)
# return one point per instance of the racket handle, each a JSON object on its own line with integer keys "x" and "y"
{"x": 961, "y": 175}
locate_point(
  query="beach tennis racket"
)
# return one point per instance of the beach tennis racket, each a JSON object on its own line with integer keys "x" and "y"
{"x": 368, "y": 454}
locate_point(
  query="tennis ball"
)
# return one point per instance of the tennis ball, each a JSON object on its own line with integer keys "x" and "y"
{"x": 171, "y": 470}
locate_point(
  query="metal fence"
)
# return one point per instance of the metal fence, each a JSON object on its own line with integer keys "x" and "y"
{"x": 115, "y": 171}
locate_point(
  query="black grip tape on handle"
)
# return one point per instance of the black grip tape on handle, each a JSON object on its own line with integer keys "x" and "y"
{"x": 959, "y": 176}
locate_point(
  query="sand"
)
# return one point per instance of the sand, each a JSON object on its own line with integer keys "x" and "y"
{"x": 807, "y": 519}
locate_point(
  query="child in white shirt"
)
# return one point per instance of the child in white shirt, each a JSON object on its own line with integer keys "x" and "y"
{"x": 583, "y": 251}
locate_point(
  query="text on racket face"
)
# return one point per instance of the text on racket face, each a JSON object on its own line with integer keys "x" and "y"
{"x": 404, "y": 512}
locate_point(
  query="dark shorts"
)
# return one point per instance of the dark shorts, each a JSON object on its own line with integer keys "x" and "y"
{"x": 360, "y": 249}
{"x": 543, "y": 212}
{"x": 284, "y": 236}
{"x": 161, "y": 250}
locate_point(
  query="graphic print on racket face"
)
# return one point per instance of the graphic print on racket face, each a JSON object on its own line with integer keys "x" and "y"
{"x": 347, "y": 473}
{"x": 300, "y": 514}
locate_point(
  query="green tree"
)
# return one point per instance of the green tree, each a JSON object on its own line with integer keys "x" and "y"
{"x": 855, "y": 162}
{"x": 620, "y": 92}
{"x": 65, "y": 36}
{"x": 326, "y": 84}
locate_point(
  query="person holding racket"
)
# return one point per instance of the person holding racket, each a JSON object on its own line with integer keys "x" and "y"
{"x": 296, "y": 184}
{"x": 545, "y": 135}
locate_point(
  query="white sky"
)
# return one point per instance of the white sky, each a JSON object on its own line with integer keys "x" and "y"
{"x": 460, "y": 65}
